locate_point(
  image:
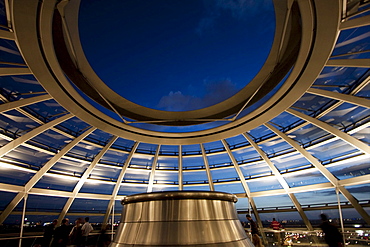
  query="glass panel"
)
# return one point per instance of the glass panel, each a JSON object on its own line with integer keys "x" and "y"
{"x": 196, "y": 187}
{"x": 6, "y": 198}
{"x": 71, "y": 167}
{"x": 219, "y": 160}
{"x": 285, "y": 120}
{"x": 117, "y": 207}
{"x": 275, "y": 146}
{"x": 165, "y": 177}
{"x": 223, "y": 175}
{"x": 159, "y": 188}
{"x": 256, "y": 169}
{"x": 309, "y": 133}
{"x": 309, "y": 177}
{"x": 340, "y": 77}
{"x": 84, "y": 151}
{"x": 3, "y": 142}
{"x": 331, "y": 150}
{"x": 197, "y": 177}
{"x": 242, "y": 205}
{"x": 141, "y": 161}
{"x": 55, "y": 182}
{"x": 112, "y": 157}
{"x": 193, "y": 163}
{"x": 191, "y": 149}
{"x": 167, "y": 163}
{"x": 124, "y": 144}
{"x": 260, "y": 132}
{"x": 98, "y": 188}
{"x": 51, "y": 110}
{"x": 291, "y": 162}
{"x": 360, "y": 192}
{"x": 105, "y": 172}
{"x": 363, "y": 135}
{"x": 170, "y": 149}
{"x": 36, "y": 203}
{"x": 236, "y": 140}
{"x": 273, "y": 201}
{"x": 352, "y": 40}
{"x": 310, "y": 103}
{"x": 14, "y": 175}
{"x": 73, "y": 125}
{"x": 246, "y": 155}
{"x": 211, "y": 147}
{"x": 365, "y": 92}
{"x": 53, "y": 139}
{"x": 21, "y": 84}
{"x": 348, "y": 168}
{"x": 344, "y": 115}
{"x": 86, "y": 207}
{"x": 100, "y": 137}
{"x": 9, "y": 51}
{"x": 126, "y": 190}
{"x": 317, "y": 198}
{"x": 270, "y": 183}
{"x": 146, "y": 148}
{"x": 233, "y": 188}
{"x": 25, "y": 155}
{"x": 16, "y": 122}
{"x": 132, "y": 176}
{"x": 286, "y": 219}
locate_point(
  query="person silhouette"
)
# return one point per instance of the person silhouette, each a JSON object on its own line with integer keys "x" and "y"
{"x": 332, "y": 236}
{"x": 256, "y": 240}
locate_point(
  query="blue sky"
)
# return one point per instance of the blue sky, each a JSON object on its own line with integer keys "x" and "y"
{"x": 176, "y": 55}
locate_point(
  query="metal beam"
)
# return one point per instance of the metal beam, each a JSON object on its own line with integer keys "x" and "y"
{"x": 20, "y": 140}
{"x": 358, "y": 63}
{"x": 243, "y": 181}
{"x": 282, "y": 181}
{"x": 356, "y": 22}
{"x": 84, "y": 177}
{"x": 14, "y": 71}
{"x": 152, "y": 173}
{"x": 6, "y": 35}
{"x": 342, "y": 97}
{"x": 334, "y": 131}
{"x": 332, "y": 179}
{"x": 23, "y": 102}
{"x": 181, "y": 184}
{"x": 118, "y": 184}
{"x": 314, "y": 187}
{"x": 237, "y": 168}
{"x": 41, "y": 173}
{"x": 208, "y": 171}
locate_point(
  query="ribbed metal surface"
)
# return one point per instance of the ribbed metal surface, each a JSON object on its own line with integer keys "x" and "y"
{"x": 180, "y": 218}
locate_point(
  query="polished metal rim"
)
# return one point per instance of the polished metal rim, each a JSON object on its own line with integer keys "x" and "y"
{"x": 180, "y": 195}
{"x": 44, "y": 62}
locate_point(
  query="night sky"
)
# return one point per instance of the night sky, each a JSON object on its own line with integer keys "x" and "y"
{"x": 176, "y": 55}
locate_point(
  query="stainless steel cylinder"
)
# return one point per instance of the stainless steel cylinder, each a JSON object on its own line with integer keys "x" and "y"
{"x": 180, "y": 218}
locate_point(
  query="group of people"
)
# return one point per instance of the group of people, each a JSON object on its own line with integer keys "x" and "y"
{"x": 332, "y": 235}
{"x": 64, "y": 235}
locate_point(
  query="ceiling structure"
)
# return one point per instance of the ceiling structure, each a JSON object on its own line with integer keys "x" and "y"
{"x": 297, "y": 134}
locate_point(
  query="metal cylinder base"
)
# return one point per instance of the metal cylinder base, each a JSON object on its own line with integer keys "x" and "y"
{"x": 180, "y": 218}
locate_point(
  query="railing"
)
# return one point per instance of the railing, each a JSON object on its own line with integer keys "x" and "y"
{"x": 271, "y": 238}
{"x": 302, "y": 238}
{"x": 96, "y": 239}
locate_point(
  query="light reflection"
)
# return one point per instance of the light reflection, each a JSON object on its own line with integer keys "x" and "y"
{"x": 15, "y": 167}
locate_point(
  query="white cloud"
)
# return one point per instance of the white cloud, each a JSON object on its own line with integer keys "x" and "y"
{"x": 216, "y": 91}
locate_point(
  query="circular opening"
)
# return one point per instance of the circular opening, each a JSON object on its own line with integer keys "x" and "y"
{"x": 176, "y": 55}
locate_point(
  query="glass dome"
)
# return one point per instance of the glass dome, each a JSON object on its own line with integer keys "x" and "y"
{"x": 290, "y": 144}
